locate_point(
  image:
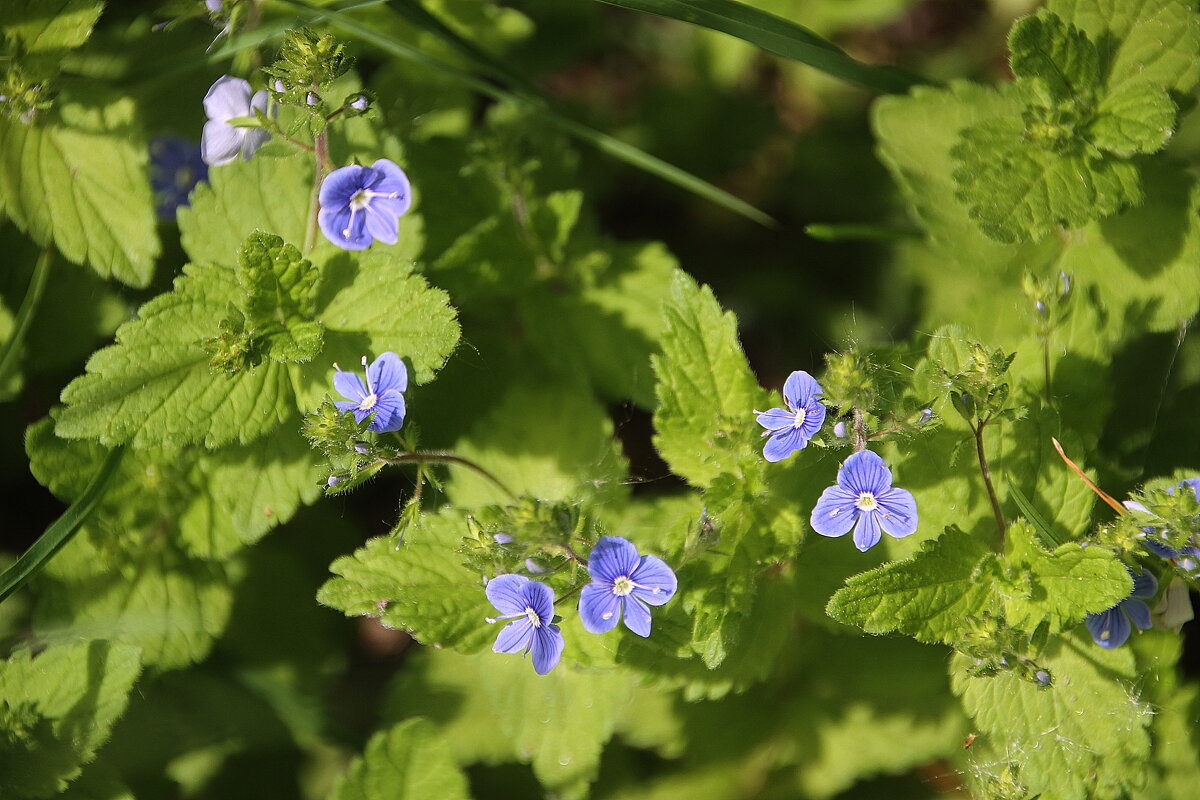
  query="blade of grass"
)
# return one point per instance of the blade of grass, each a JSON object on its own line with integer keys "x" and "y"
{"x": 65, "y": 527}
{"x": 535, "y": 103}
{"x": 779, "y": 36}
{"x": 33, "y": 298}
{"x": 1049, "y": 537}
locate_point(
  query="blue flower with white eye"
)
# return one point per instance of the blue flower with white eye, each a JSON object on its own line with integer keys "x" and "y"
{"x": 176, "y": 166}
{"x": 624, "y": 586}
{"x": 864, "y": 499}
{"x": 230, "y": 98}
{"x": 361, "y": 204}
{"x": 383, "y": 395}
{"x": 531, "y": 605}
{"x": 1110, "y": 629}
{"x": 791, "y": 428}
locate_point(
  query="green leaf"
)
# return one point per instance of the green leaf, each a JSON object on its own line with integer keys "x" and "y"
{"x": 1156, "y": 41}
{"x": 1082, "y": 736}
{"x": 280, "y": 299}
{"x": 79, "y": 180}
{"x": 420, "y": 586}
{"x": 57, "y": 709}
{"x": 777, "y": 35}
{"x": 706, "y": 392}
{"x": 1045, "y": 48}
{"x": 47, "y": 26}
{"x": 409, "y": 761}
{"x": 1137, "y": 117}
{"x": 1018, "y": 191}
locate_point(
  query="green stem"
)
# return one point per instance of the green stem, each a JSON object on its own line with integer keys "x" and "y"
{"x": 445, "y": 457}
{"x": 33, "y": 298}
{"x": 1046, "y": 365}
{"x": 321, "y": 151}
{"x": 65, "y": 527}
{"x": 987, "y": 480}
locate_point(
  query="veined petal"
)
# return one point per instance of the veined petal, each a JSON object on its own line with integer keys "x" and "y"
{"x": 547, "y": 648}
{"x": 599, "y": 608}
{"x": 835, "y": 512}
{"x": 1138, "y": 612}
{"x": 800, "y": 388}
{"x": 390, "y": 179}
{"x": 814, "y": 418}
{"x": 776, "y": 419}
{"x": 339, "y": 186}
{"x": 656, "y": 582}
{"x": 345, "y": 405}
{"x": 612, "y": 558}
{"x": 1159, "y": 547}
{"x": 349, "y": 386}
{"x": 637, "y": 616}
{"x": 219, "y": 143}
{"x": 515, "y": 637}
{"x": 229, "y": 97}
{"x": 540, "y": 598}
{"x": 866, "y": 532}
{"x": 783, "y": 443}
{"x": 388, "y": 372}
{"x": 389, "y": 412}
{"x": 864, "y": 471}
{"x": 507, "y": 593}
{"x": 252, "y": 139}
{"x": 381, "y": 224}
{"x": 897, "y": 512}
{"x": 1109, "y": 629}
{"x": 334, "y": 223}
{"x": 1145, "y": 585}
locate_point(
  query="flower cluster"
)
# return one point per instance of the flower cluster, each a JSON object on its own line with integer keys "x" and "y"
{"x": 624, "y": 586}
{"x": 863, "y": 499}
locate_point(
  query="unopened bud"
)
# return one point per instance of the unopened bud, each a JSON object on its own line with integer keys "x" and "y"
{"x": 839, "y": 430}
{"x": 360, "y": 103}
{"x": 312, "y": 99}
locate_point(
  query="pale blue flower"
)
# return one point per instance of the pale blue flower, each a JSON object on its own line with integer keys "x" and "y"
{"x": 230, "y": 98}
{"x": 531, "y": 605}
{"x": 865, "y": 500}
{"x": 360, "y": 204}
{"x": 624, "y": 585}
{"x": 383, "y": 395}
{"x": 791, "y": 428}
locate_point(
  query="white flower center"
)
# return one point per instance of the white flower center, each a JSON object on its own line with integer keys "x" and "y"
{"x": 361, "y": 200}
{"x": 534, "y": 619}
{"x": 866, "y": 501}
{"x": 622, "y": 586}
{"x": 369, "y": 402}
{"x": 798, "y": 422}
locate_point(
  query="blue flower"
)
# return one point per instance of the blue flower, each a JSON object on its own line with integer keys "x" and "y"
{"x": 791, "y": 428}
{"x": 624, "y": 584}
{"x": 230, "y": 98}
{"x": 176, "y": 166}
{"x": 387, "y": 378}
{"x": 360, "y": 204}
{"x": 864, "y": 499}
{"x": 1110, "y": 629}
{"x": 531, "y": 605}
{"x": 1187, "y": 556}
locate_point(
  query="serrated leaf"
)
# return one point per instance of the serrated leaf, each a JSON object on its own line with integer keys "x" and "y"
{"x": 409, "y": 761}
{"x": 46, "y": 26}
{"x": 420, "y": 586}
{"x": 57, "y": 709}
{"x": 79, "y": 180}
{"x": 280, "y": 298}
{"x": 706, "y": 392}
{"x": 1045, "y": 48}
{"x": 1082, "y": 736}
{"x": 1018, "y": 191}
{"x": 1137, "y": 117}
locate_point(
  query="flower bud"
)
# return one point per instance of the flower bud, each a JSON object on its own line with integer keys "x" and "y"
{"x": 312, "y": 99}
{"x": 360, "y": 103}
{"x": 839, "y": 429}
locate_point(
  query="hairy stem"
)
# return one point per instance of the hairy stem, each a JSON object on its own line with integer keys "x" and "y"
{"x": 977, "y": 429}
{"x": 321, "y": 166}
{"x": 445, "y": 457}
{"x": 860, "y": 430}
{"x": 29, "y": 306}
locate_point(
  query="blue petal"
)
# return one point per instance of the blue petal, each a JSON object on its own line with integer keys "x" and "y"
{"x": 1110, "y": 629}
{"x": 835, "y": 512}
{"x": 776, "y": 419}
{"x": 783, "y": 444}
{"x": 656, "y": 582}
{"x": 507, "y": 593}
{"x": 515, "y": 637}
{"x": 897, "y": 512}
{"x": 814, "y": 418}
{"x": 866, "y": 532}
{"x": 381, "y": 224}
{"x": 1194, "y": 483}
{"x": 339, "y": 186}
{"x": 865, "y": 472}
{"x": 612, "y": 558}
{"x": 540, "y": 598}
{"x": 1159, "y": 547}
{"x": 389, "y": 179}
{"x": 637, "y": 616}
{"x": 229, "y": 97}
{"x": 334, "y": 223}
{"x": 1138, "y": 612}
{"x": 349, "y": 386}
{"x": 387, "y": 372}
{"x": 800, "y": 388}
{"x": 547, "y": 648}
{"x": 346, "y": 405}
{"x": 389, "y": 413}
{"x": 599, "y": 608}
{"x": 1144, "y": 585}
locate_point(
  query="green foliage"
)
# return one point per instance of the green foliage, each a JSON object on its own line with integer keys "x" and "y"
{"x": 56, "y": 709}
{"x": 406, "y": 762}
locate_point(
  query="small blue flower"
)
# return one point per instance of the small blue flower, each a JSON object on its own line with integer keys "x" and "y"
{"x": 531, "y": 605}
{"x": 387, "y": 378}
{"x": 791, "y": 428}
{"x": 864, "y": 499}
{"x": 360, "y": 204}
{"x": 1110, "y": 629}
{"x": 230, "y": 98}
{"x": 176, "y": 166}
{"x": 1187, "y": 556}
{"x": 624, "y": 584}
